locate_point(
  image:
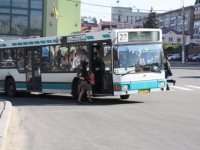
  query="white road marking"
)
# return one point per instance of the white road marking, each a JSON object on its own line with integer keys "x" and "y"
{"x": 196, "y": 87}
{"x": 182, "y": 88}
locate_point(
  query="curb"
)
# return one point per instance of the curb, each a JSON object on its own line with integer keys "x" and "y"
{"x": 4, "y": 121}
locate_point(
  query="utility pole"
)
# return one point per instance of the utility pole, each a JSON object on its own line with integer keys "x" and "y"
{"x": 183, "y": 35}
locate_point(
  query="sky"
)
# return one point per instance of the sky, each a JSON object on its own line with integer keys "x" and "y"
{"x": 101, "y": 9}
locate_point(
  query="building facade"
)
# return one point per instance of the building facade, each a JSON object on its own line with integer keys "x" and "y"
{"x": 174, "y": 37}
{"x": 27, "y": 18}
{"x": 174, "y": 20}
{"x": 126, "y": 15}
{"x": 196, "y": 34}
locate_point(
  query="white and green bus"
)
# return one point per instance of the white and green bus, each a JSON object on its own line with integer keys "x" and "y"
{"x": 124, "y": 62}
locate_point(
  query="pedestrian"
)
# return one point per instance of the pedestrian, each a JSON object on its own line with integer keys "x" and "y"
{"x": 168, "y": 72}
{"x": 84, "y": 76}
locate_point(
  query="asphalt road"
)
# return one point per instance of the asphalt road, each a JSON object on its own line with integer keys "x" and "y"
{"x": 155, "y": 121}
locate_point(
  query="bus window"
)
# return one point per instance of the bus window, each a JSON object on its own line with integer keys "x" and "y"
{"x": 8, "y": 58}
{"x": 45, "y": 59}
{"x": 81, "y": 54}
{"x": 20, "y": 59}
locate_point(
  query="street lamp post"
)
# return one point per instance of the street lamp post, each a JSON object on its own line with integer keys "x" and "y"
{"x": 183, "y": 35}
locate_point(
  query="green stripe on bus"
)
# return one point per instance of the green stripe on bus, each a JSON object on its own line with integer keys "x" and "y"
{"x": 20, "y": 85}
{"x": 49, "y": 41}
{"x": 90, "y": 37}
{"x": 63, "y": 86}
{"x": 30, "y": 43}
{"x": 2, "y": 83}
{"x": 25, "y": 43}
{"x": 106, "y": 35}
{"x": 3, "y": 45}
{"x": 43, "y": 42}
{"x": 36, "y": 42}
{"x": 19, "y": 44}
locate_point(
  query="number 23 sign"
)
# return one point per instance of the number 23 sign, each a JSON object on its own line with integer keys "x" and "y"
{"x": 123, "y": 37}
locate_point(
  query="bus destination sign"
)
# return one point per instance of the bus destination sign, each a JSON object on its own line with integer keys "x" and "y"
{"x": 139, "y": 36}
{"x": 76, "y": 38}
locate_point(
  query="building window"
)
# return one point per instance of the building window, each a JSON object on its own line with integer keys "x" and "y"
{"x": 4, "y": 2}
{"x": 20, "y": 11}
{"x": 19, "y": 25}
{"x": 5, "y": 10}
{"x": 20, "y": 3}
{"x": 170, "y": 39}
{"x": 36, "y": 23}
{"x": 4, "y": 24}
{"x": 37, "y": 4}
{"x": 178, "y": 40}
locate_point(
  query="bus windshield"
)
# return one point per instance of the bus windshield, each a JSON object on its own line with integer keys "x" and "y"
{"x": 137, "y": 58}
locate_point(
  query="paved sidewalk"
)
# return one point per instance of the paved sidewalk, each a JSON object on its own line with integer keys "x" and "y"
{"x": 5, "y": 113}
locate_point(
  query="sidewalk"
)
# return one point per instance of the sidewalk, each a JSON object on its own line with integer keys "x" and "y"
{"x": 5, "y": 113}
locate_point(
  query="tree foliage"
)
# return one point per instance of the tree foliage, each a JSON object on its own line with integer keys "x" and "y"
{"x": 167, "y": 46}
{"x": 152, "y": 21}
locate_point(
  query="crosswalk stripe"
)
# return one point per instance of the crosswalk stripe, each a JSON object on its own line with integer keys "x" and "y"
{"x": 182, "y": 88}
{"x": 196, "y": 87}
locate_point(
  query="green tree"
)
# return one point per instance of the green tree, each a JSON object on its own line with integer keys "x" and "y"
{"x": 152, "y": 21}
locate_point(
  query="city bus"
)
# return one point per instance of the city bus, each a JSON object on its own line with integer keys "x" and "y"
{"x": 124, "y": 62}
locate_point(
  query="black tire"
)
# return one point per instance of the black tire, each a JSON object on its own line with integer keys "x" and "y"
{"x": 124, "y": 96}
{"x": 11, "y": 88}
{"x": 197, "y": 59}
{"x": 76, "y": 88}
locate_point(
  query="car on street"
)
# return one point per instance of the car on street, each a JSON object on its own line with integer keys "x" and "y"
{"x": 170, "y": 56}
{"x": 190, "y": 56}
{"x": 196, "y": 58}
{"x": 176, "y": 57}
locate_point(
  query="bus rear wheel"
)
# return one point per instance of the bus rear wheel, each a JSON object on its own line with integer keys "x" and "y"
{"x": 124, "y": 96}
{"x": 10, "y": 87}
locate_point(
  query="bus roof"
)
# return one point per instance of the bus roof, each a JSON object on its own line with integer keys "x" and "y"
{"x": 52, "y": 40}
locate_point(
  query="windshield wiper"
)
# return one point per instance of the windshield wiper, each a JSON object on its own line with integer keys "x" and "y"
{"x": 153, "y": 68}
{"x": 128, "y": 72}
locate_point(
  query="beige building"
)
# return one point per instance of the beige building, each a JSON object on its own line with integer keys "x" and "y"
{"x": 174, "y": 37}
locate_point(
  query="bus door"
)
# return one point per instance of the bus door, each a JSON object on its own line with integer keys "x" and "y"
{"x": 33, "y": 74}
{"x": 101, "y": 65}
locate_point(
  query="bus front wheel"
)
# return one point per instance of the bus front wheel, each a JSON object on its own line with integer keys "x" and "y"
{"x": 10, "y": 87}
{"x": 124, "y": 96}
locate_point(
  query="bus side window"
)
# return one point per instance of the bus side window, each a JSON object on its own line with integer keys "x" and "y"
{"x": 53, "y": 58}
{"x": 20, "y": 59}
{"x": 8, "y": 58}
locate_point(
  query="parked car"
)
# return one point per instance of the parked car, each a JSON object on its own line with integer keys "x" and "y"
{"x": 190, "y": 56}
{"x": 170, "y": 57}
{"x": 196, "y": 58}
{"x": 176, "y": 57}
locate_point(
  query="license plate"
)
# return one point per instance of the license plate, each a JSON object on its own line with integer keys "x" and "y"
{"x": 143, "y": 91}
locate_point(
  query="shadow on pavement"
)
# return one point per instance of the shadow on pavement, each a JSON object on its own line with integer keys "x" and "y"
{"x": 40, "y": 99}
{"x": 190, "y": 77}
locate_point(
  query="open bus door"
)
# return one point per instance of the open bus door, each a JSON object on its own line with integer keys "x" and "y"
{"x": 33, "y": 67}
{"x": 101, "y": 65}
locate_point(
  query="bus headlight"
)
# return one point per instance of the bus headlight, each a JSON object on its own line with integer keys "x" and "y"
{"x": 124, "y": 87}
{"x": 161, "y": 84}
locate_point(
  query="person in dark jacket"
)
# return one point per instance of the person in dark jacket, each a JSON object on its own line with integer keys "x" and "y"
{"x": 168, "y": 72}
{"x": 84, "y": 82}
